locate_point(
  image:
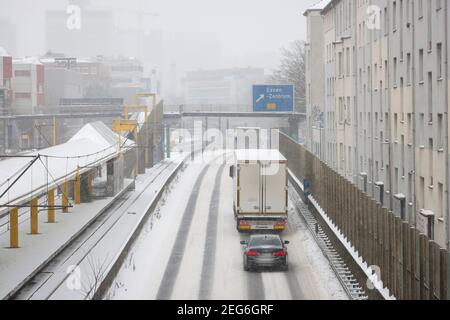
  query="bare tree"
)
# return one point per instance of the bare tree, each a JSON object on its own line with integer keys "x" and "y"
{"x": 95, "y": 275}
{"x": 292, "y": 71}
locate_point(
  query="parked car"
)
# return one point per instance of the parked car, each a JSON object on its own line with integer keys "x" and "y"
{"x": 265, "y": 250}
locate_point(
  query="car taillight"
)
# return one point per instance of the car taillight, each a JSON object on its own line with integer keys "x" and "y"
{"x": 252, "y": 253}
{"x": 281, "y": 224}
{"x": 280, "y": 253}
{"x": 244, "y": 224}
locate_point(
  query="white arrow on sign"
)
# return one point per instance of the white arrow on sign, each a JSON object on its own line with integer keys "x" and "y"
{"x": 261, "y": 96}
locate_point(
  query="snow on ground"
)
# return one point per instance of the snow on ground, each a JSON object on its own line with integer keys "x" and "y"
{"x": 324, "y": 274}
{"x": 147, "y": 275}
{"x": 18, "y": 264}
{"x": 143, "y": 269}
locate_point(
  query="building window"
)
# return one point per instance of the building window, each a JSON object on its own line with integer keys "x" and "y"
{"x": 386, "y": 73}
{"x": 409, "y": 125}
{"x": 386, "y": 21}
{"x": 408, "y": 10}
{"x": 430, "y": 160}
{"x": 430, "y": 97}
{"x": 395, "y": 126}
{"x": 441, "y": 200}
{"x": 395, "y": 72}
{"x": 349, "y": 111}
{"x": 348, "y": 62}
{"x": 22, "y": 73}
{"x": 440, "y": 141}
{"x": 408, "y": 68}
{"x": 421, "y": 65}
{"x": 421, "y": 129}
{"x": 23, "y": 95}
{"x": 430, "y": 27}
{"x": 394, "y": 16}
{"x": 422, "y": 193}
{"x": 439, "y": 60}
{"x": 420, "y": 9}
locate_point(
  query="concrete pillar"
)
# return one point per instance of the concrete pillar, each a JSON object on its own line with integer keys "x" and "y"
{"x": 14, "y": 228}
{"x": 167, "y": 133}
{"x": 86, "y": 186}
{"x": 65, "y": 197}
{"x": 34, "y": 216}
{"x": 77, "y": 188}
{"x": 51, "y": 204}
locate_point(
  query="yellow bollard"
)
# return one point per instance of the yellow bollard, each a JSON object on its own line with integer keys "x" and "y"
{"x": 65, "y": 199}
{"x": 51, "y": 205}
{"x": 34, "y": 216}
{"x": 14, "y": 228}
{"x": 77, "y": 188}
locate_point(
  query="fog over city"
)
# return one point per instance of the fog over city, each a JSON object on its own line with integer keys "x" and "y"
{"x": 225, "y": 34}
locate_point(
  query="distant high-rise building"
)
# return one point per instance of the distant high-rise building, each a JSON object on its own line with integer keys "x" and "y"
{"x": 8, "y": 36}
{"x": 222, "y": 87}
{"x": 83, "y": 33}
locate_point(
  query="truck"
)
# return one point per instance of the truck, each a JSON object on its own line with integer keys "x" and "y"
{"x": 260, "y": 190}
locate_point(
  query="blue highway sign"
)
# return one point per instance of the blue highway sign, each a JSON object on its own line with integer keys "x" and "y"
{"x": 273, "y": 98}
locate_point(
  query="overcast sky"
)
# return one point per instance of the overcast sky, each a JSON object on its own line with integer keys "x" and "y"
{"x": 244, "y": 27}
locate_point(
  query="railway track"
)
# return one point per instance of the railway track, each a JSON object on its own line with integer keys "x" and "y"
{"x": 350, "y": 284}
{"x": 52, "y": 275}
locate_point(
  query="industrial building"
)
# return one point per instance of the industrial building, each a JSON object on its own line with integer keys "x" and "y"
{"x": 28, "y": 85}
{"x": 222, "y": 87}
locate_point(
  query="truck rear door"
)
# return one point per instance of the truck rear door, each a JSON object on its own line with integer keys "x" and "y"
{"x": 274, "y": 187}
{"x": 249, "y": 186}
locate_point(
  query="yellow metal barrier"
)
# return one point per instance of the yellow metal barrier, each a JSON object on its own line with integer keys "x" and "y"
{"x": 14, "y": 228}
{"x": 51, "y": 206}
{"x": 77, "y": 188}
{"x": 65, "y": 199}
{"x": 34, "y": 217}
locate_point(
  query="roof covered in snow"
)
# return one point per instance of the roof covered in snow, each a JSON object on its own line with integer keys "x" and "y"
{"x": 319, "y": 6}
{"x": 28, "y": 60}
{"x": 94, "y": 144}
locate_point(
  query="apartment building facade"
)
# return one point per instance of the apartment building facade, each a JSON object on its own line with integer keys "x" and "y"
{"x": 315, "y": 137}
{"x": 386, "y": 91}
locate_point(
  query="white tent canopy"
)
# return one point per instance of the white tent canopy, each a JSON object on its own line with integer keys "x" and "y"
{"x": 94, "y": 144}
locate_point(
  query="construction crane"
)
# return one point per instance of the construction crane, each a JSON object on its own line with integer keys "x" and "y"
{"x": 140, "y": 13}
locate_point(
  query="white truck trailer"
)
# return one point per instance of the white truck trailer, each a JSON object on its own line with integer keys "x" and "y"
{"x": 260, "y": 188}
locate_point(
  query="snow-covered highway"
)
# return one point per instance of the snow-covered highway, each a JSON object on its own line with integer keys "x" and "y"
{"x": 190, "y": 249}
